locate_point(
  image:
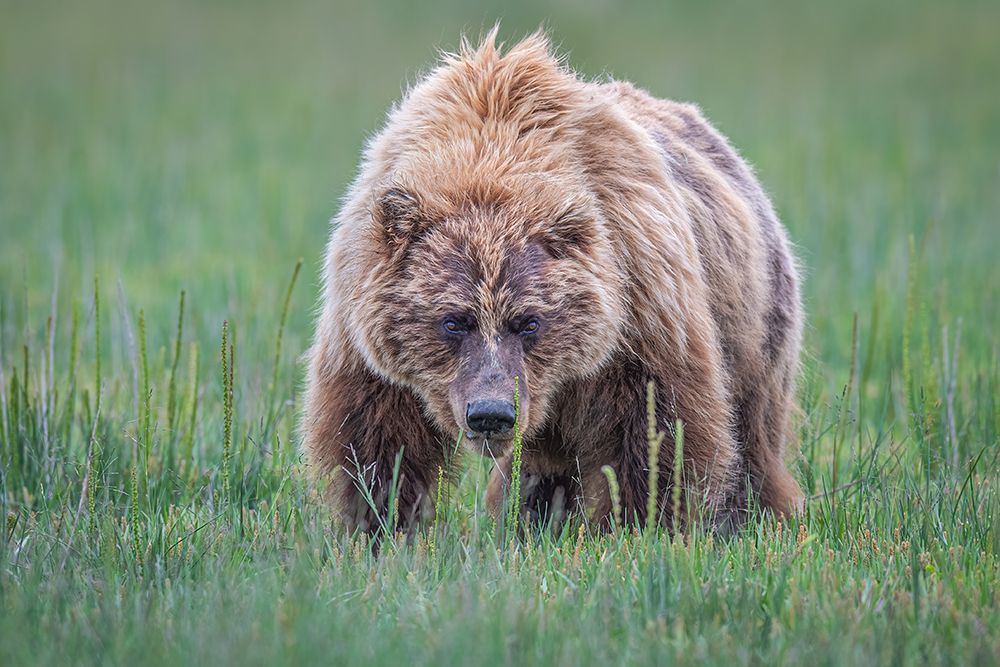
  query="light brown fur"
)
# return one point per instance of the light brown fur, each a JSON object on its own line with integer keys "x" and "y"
{"x": 504, "y": 187}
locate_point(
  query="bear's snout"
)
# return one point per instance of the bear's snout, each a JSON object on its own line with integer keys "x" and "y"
{"x": 490, "y": 417}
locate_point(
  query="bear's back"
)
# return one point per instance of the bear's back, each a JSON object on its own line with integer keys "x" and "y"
{"x": 745, "y": 255}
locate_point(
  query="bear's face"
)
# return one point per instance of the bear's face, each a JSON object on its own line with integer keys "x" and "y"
{"x": 473, "y": 298}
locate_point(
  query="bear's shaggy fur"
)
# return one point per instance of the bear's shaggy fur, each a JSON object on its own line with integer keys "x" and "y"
{"x": 513, "y": 220}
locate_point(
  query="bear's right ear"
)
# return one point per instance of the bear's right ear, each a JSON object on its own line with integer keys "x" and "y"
{"x": 573, "y": 230}
{"x": 398, "y": 216}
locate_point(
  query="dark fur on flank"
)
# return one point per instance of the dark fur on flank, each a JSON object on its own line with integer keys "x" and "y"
{"x": 512, "y": 220}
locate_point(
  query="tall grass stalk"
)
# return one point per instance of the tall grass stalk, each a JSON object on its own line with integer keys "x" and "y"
{"x": 676, "y": 491}
{"x": 69, "y": 409}
{"x": 392, "y": 504}
{"x": 192, "y": 403}
{"x": 93, "y": 480}
{"x": 92, "y": 463}
{"x": 172, "y": 382}
{"x": 911, "y": 288}
{"x": 97, "y": 345}
{"x": 614, "y": 493}
{"x": 438, "y": 509}
{"x": 227, "y": 358}
{"x": 134, "y": 512}
{"x": 145, "y": 402}
{"x": 514, "y": 496}
{"x": 654, "y": 439}
{"x": 281, "y": 332}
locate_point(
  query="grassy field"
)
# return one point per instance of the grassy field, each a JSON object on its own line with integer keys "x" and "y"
{"x": 185, "y": 156}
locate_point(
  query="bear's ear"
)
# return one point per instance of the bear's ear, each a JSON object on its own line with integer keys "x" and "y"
{"x": 573, "y": 230}
{"x": 398, "y": 216}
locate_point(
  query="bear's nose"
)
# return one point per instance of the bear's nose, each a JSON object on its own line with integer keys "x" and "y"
{"x": 490, "y": 416}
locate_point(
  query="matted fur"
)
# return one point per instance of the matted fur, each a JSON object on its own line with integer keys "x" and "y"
{"x": 502, "y": 185}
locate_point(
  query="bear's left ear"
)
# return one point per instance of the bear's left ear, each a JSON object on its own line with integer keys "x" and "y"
{"x": 398, "y": 215}
{"x": 573, "y": 230}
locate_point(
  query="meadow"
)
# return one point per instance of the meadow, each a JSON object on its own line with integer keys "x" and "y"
{"x": 165, "y": 168}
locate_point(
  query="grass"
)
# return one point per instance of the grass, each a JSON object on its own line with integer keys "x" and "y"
{"x": 166, "y": 166}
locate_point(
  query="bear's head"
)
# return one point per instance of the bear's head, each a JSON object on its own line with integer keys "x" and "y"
{"x": 511, "y": 286}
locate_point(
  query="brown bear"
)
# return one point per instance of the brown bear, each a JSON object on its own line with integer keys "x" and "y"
{"x": 514, "y": 221}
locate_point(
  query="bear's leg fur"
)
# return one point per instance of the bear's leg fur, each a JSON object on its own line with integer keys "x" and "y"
{"x": 615, "y": 433}
{"x": 764, "y": 424}
{"x": 549, "y": 489}
{"x": 766, "y": 397}
{"x": 357, "y": 425}
{"x": 709, "y": 452}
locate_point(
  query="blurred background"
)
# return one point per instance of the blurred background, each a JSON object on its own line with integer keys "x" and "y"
{"x": 204, "y": 146}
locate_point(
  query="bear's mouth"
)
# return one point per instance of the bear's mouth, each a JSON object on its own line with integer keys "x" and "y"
{"x": 473, "y": 436}
{"x": 490, "y": 445}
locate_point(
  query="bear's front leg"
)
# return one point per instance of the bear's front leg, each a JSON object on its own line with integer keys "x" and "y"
{"x": 615, "y": 433}
{"x": 356, "y": 427}
{"x": 548, "y": 489}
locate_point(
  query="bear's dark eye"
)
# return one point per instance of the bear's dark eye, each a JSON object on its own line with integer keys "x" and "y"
{"x": 529, "y": 326}
{"x": 456, "y": 326}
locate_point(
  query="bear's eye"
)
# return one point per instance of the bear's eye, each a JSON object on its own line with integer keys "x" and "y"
{"x": 455, "y": 326}
{"x": 530, "y": 326}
